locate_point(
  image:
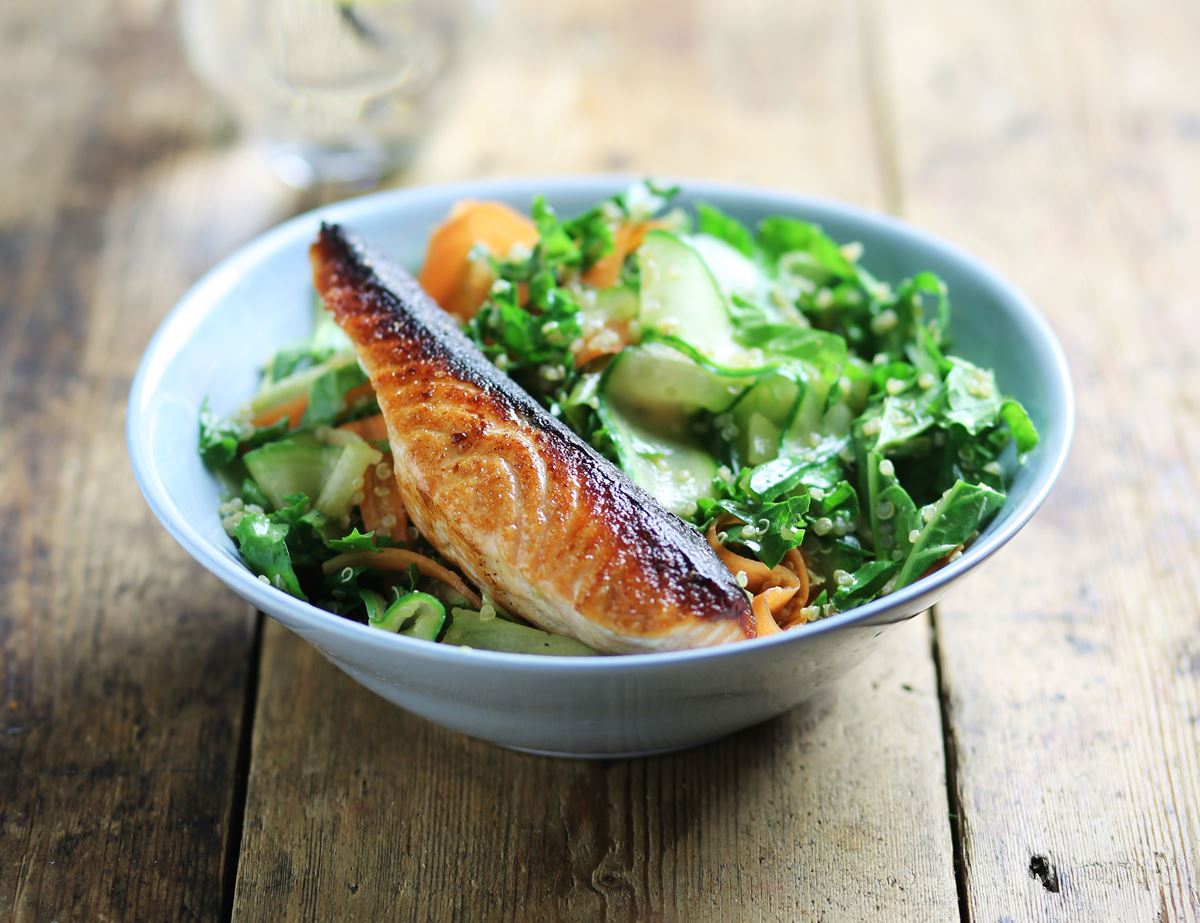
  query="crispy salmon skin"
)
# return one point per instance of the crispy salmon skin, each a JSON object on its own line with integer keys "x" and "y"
{"x": 549, "y": 528}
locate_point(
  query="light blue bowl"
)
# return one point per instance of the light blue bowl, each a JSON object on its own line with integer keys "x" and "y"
{"x": 218, "y": 336}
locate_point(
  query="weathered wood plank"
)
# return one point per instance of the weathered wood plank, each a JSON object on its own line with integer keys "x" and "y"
{"x": 122, "y": 667}
{"x": 358, "y": 811}
{"x": 1060, "y": 141}
{"x": 769, "y": 93}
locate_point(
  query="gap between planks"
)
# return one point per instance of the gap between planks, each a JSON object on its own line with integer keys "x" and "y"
{"x": 241, "y": 771}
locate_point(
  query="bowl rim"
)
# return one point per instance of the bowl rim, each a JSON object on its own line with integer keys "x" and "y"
{"x": 203, "y": 295}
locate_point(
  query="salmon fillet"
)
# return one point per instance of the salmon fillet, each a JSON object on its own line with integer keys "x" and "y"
{"x": 549, "y": 528}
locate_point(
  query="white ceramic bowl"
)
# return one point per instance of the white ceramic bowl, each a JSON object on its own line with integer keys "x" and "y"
{"x": 259, "y": 299}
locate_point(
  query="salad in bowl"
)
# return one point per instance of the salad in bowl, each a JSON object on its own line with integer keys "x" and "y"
{"x": 636, "y": 428}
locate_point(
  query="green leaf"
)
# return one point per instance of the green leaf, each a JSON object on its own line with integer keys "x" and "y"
{"x": 768, "y": 529}
{"x": 901, "y": 419}
{"x": 916, "y": 297}
{"x": 778, "y": 236}
{"x": 263, "y": 545}
{"x": 867, "y": 582}
{"x": 327, "y": 397}
{"x": 292, "y": 359}
{"x": 962, "y": 510}
{"x": 769, "y": 501}
{"x": 824, "y": 351}
{"x": 218, "y": 438}
{"x": 838, "y": 504}
{"x": 355, "y": 541}
{"x": 645, "y": 199}
{"x": 251, "y": 493}
{"x": 972, "y": 399}
{"x": 375, "y": 605}
{"x": 714, "y": 222}
{"x": 890, "y": 509}
{"x": 775, "y": 477}
{"x": 592, "y": 236}
{"x": 308, "y": 530}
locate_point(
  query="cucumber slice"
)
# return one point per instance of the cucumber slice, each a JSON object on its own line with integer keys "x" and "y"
{"x": 680, "y": 297}
{"x": 376, "y": 607}
{"x": 345, "y": 479}
{"x": 276, "y": 392}
{"x": 647, "y": 398}
{"x": 468, "y": 629}
{"x": 619, "y": 303}
{"x": 417, "y": 615}
{"x": 807, "y": 426}
{"x": 762, "y": 415}
{"x": 733, "y": 271}
{"x": 661, "y": 380}
{"x": 291, "y": 466}
{"x": 300, "y": 465}
{"x": 672, "y": 469}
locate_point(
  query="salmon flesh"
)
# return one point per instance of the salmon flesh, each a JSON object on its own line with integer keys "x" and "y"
{"x": 549, "y": 528}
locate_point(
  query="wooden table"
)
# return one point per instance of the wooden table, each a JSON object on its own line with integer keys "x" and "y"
{"x": 1030, "y": 751}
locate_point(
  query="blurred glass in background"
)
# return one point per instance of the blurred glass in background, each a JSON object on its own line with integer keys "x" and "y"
{"x": 336, "y": 90}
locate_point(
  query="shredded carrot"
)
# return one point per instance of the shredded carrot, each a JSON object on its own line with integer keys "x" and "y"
{"x": 607, "y": 340}
{"x": 381, "y": 499}
{"x": 400, "y": 559}
{"x": 764, "y": 620}
{"x": 606, "y": 271}
{"x": 779, "y": 591}
{"x": 380, "y": 495}
{"x": 359, "y": 393}
{"x": 293, "y": 409}
{"x": 795, "y": 560}
{"x": 789, "y": 614}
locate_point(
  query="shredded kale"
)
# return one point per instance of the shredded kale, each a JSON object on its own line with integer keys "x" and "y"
{"x": 533, "y": 316}
{"x": 218, "y": 438}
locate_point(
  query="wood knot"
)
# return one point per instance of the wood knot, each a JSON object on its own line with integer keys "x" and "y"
{"x": 1044, "y": 871}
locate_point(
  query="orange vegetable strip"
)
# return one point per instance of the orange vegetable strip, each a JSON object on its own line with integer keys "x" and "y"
{"x": 763, "y": 619}
{"x": 448, "y": 275}
{"x": 606, "y": 271}
{"x": 293, "y": 409}
{"x": 400, "y": 559}
{"x": 609, "y": 339}
{"x": 374, "y": 506}
{"x": 796, "y": 562}
{"x": 941, "y": 562}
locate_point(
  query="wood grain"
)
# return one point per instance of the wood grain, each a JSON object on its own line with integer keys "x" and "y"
{"x": 123, "y": 668}
{"x": 1061, "y": 141}
{"x": 358, "y": 811}
{"x": 768, "y": 93}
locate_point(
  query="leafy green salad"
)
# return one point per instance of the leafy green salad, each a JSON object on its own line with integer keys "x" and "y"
{"x": 807, "y": 417}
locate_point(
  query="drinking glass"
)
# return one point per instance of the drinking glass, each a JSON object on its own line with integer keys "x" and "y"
{"x": 336, "y": 90}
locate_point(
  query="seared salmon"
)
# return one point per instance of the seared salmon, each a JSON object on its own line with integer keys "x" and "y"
{"x": 552, "y": 530}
